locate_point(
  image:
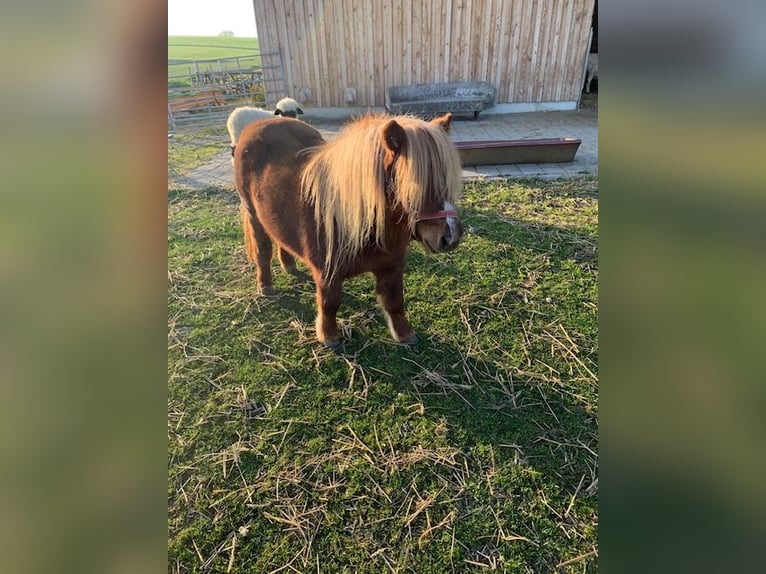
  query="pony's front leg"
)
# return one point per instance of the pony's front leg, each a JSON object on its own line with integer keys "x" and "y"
{"x": 328, "y": 302}
{"x": 389, "y": 287}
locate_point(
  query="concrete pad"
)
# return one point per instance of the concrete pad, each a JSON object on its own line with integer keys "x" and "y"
{"x": 581, "y": 123}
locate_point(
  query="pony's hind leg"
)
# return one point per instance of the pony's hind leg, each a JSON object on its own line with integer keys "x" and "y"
{"x": 287, "y": 261}
{"x": 389, "y": 287}
{"x": 259, "y": 250}
{"x": 247, "y": 229}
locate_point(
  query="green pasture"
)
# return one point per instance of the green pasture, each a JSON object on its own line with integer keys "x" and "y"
{"x": 474, "y": 451}
{"x": 209, "y": 47}
{"x": 183, "y": 51}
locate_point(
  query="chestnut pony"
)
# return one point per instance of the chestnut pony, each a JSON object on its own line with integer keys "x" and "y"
{"x": 348, "y": 206}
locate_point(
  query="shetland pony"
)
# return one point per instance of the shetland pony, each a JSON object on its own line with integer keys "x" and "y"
{"x": 348, "y": 206}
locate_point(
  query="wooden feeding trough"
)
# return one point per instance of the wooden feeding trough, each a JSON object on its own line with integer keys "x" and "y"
{"x": 430, "y": 100}
{"x": 546, "y": 150}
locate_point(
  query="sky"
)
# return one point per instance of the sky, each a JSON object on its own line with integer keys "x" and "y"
{"x": 210, "y": 17}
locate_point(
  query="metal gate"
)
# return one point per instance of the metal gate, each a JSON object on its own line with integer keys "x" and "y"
{"x": 203, "y": 92}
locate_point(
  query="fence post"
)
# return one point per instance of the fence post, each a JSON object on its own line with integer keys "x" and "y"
{"x": 171, "y": 119}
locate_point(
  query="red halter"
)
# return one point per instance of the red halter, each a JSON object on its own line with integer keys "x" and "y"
{"x": 444, "y": 213}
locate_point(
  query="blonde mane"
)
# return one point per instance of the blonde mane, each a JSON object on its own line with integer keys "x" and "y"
{"x": 345, "y": 180}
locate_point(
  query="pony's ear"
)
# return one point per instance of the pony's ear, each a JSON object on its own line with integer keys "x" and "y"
{"x": 300, "y": 111}
{"x": 444, "y": 122}
{"x": 394, "y": 137}
{"x": 277, "y": 112}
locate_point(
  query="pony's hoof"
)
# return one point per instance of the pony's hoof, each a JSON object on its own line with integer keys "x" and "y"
{"x": 267, "y": 290}
{"x": 299, "y": 275}
{"x": 335, "y": 344}
{"x": 411, "y": 342}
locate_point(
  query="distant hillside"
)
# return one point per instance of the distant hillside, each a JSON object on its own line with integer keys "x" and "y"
{"x": 185, "y": 48}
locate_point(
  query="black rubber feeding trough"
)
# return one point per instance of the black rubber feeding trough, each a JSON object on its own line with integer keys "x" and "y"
{"x": 430, "y": 100}
{"x": 547, "y": 150}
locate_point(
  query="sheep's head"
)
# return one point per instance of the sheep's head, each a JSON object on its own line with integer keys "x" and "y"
{"x": 288, "y": 107}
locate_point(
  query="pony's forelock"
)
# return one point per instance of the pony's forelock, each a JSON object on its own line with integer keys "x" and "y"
{"x": 345, "y": 180}
{"x": 429, "y": 167}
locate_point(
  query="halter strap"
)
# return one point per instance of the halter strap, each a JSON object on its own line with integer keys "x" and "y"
{"x": 444, "y": 213}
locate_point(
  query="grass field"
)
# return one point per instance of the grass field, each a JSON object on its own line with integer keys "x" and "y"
{"x": 475, "y": 451}
{"x": 184, "y": 50}
{"x": 209, "y": 47}
{"x": 191, "y": 147}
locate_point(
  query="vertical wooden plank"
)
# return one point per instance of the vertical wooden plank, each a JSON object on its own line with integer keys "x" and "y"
{"x": 313, "y": 44}
{"x": 369, "y": 51}
{"x": 388, "y": 40}
{"x": 515, "y": 49}
{"x": 436, "y": 58}
{"x": 407, "y": 41}
{"x": 426, "y": 64}
{"x": 555, "y": 64}
{"x": 438, "y": 36}
{"x": 417, "y": 42}
{"x": 266, "y": 40}
{"x": 500, "y": 53}
{"x": 484, "y": 40}
{"x": 503, "y": 51}
{"x": 534, "y": 33}
{"x": 571, "y": 49}
{"x": 543, "y": 51}
{"x": 530, "y": 55}
{"x": 263, "y": 30}
{"x": 519, "y": 27}
{"x": 307, "y": 48}
{"x": 448, "y": 19}
{"x": 525, "y": 55}
{"x": 287, "y": 34}
{"x": 538, "y": 51}
{"x": 398, "y": 44}
{"x": 321, "y": 32}
{"x": 466, "y": 61}
{"x": 322, "y": 91}
{"x": 363, "y": 32}
{"x": 566, "y": 50}
{"x": 296, "y": 33}
{"x": 344, "y": 53}
{"x": 553, "y": 52}
{"x": 511, "y": 47}
{"x": 378, "y": 39}
{"x": 353, "y": 57}
{"x": 282, "y": 75}
{"x": 580, "y": 27}
{"x": 456, "y": 37}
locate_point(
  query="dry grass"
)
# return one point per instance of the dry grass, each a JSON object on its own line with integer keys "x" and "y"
{"x": 475, "y": 451}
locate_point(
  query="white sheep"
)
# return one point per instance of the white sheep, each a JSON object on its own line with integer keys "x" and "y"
{"x": 243, "y": 115}
{"x": 591, "y": 71}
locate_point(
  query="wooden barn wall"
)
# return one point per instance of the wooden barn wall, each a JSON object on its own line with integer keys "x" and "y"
{"x": 530, "y": 50}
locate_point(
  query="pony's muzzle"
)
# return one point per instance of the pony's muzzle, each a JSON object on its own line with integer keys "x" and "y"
{"x": 453, "y": 234}
{"x": 440, "y": 235}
